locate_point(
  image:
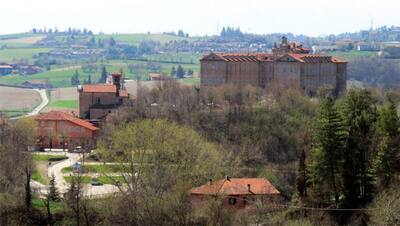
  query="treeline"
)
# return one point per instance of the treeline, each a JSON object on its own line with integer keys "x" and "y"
{"x": 374, "y": 71}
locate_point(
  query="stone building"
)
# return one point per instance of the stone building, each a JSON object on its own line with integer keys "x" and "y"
{"x": 289, "y": 65}
{"x": 96, "y": 101}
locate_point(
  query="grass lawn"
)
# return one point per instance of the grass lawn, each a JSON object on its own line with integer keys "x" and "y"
{"x": 41, "y": 166}
{"x": 70, "y": 104}
{"x": 8, "y": 55}
{"x": 55, "y": 207}
{"x": 98, "y": 169}
{"x": 101, "y": 179}
{"x": 49, "y": 158}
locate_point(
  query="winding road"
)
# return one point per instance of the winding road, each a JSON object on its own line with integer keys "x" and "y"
{"x": 36, "y": 110}
{"x": 62, "y": 186}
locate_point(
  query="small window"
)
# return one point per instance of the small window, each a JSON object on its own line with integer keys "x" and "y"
{"x": 232, "y": 201}
{"x": 98, "y": 100}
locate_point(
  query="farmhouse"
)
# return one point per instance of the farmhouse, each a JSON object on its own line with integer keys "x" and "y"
{"x": 5, "y": 69}
{"x": 96, "y": 101}
{"x": 58, "y": 129}
{"x": 239, "y": 193}
{"x": 288, "y": 66}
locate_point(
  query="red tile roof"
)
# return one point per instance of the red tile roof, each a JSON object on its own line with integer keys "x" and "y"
{"x": 100, "y": 88}
{"x": 313, "y": 58}
{"x": 242, "y": 57}
{"x": 62, "y": 116}
{"x": 237, "y": 186}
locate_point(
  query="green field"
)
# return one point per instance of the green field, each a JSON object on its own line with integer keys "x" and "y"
{"x": 61, "y": 77}
{"x": 351, "y": 54}
{"x": 101, "y": 179}
{"x": 70, "y": 104}
{"x": 137, "y": 38}
{"x": 7, "y": 55}
{"x": 13, "y": 112}
{"x": 98, "y": 169}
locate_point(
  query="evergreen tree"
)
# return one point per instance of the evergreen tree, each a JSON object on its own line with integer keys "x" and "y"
{"x": 358, "y": 175}
{"x": 301, "y": 180}
{"x": 89, "y": 81}
{"x": 388, "y": 159}
{"x": 173, "y": 71}
{"x": 53, "y": 195}
{"x": 75, "y": 78}
{"x": 180, "y": 72}
{"x": 327, "y": 155}
{"x": 103, "y": 77}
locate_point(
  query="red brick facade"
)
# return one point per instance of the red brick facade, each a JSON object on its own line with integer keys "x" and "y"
{"x": 96, "y": 101}
{"x": 61, "y": 130}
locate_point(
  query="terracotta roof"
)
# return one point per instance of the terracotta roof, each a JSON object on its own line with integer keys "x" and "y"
{"x": 237, "y": 186}
{"x": 241, "y": 57}
{"x": 315, "y": 58}
{"x": 100, "y": 88}
{"x": 62, "y": 116}
{"x": 6, "y": 66}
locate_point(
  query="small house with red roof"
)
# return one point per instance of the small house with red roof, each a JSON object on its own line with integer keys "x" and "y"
{"x": 57, "y": 129}
{"x": 97, "y": 100}
{"x": 239, "y": 193}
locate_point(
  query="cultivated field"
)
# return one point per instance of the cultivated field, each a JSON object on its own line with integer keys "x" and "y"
{"x": 18, "y": 100}
{"x": 8, "y": 55}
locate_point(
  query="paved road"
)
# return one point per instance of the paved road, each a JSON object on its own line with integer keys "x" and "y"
{"x": 45, "y": 101}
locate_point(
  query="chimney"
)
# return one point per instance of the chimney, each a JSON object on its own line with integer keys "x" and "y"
{"x": 248, "y": 187}
{"x": 210, "y": 182}
{"x": 228, "y": 178}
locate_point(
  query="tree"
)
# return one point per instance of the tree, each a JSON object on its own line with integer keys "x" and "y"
{"x": 327, "y": 155}
{"x": 75, "y": 79}
{"x": 173, "y": 71}
{"x": 180, "y": 72}
{"x": 388, "y": 158}
{"x": 103, "y": 77}
{"x": 54, "y": 195}
{"x": 358, "y": 176}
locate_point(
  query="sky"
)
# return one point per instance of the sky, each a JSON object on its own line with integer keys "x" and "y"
{"x": 200, "y": 17}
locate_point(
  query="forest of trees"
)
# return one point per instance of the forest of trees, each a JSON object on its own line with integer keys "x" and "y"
{"x": 335, "y": 161}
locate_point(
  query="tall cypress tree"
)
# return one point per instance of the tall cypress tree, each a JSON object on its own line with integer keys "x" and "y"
{"x": 327, "y": 155}
{"x": 388, "y": 158}
{"x": 358, "y": 175}
{"x": 103, "y": 77}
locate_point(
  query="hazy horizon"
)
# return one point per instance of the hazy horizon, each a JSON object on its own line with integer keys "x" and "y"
{"x": 200, "y": 17}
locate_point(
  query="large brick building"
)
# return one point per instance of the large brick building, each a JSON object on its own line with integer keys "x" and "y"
{"x": 96, "y": 101}
{"x": 289, "y": 65}
{"x": 58, "y": 129}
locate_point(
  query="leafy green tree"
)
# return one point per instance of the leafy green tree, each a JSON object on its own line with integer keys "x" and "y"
{"x": 388, "y": 159}
{"x": 180, "y": 72}
{"x": 327, "y": 155}
{"x": 103, "y": 77}
{"x": 358, "y": 173}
